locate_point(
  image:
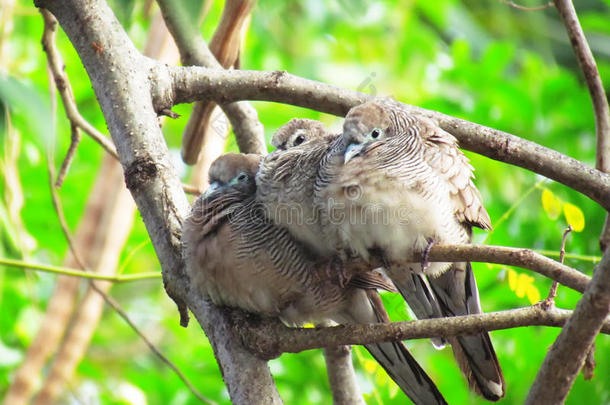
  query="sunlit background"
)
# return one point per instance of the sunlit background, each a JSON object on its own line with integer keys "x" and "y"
{"x": 486, "y": 62}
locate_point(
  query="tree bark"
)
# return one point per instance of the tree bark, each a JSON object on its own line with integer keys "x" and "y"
{"x": 120, "y": 78}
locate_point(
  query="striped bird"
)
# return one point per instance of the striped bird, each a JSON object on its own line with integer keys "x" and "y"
{"x": 236, "y": 257}
{"x": 401, "y": 183}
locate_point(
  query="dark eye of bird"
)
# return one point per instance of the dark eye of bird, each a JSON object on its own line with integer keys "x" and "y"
{"x": 375, "y": 133}
{"x": 299, "y": 140}
{"x": 242, "y": 177}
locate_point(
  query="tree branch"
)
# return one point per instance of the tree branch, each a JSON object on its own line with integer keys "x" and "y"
{"x": 269, "y": 337}
{"x": 598, "y": 95}
{"x": 341, "y": 376}
{"x": 524, "y": 258}
{"x": 592, "y": 78}
{"x": 568, "y": 353}
{"x": 249, "y": 132}
{"x": 186, "y": 84}
{"x": 64, "y": 88}
{"x": 120, "y": 77}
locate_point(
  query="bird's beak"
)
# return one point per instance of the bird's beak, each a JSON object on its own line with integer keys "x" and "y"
{"x": 352, "y": 150}
{"x": 212, "y": 188}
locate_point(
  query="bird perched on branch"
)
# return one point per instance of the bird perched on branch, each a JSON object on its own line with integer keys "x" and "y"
{"x": 236, "y": 257}
{"x": 286, "y": 179}
{"x": 401, "y": 184}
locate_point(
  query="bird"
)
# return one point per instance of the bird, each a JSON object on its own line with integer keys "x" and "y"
{"x": 403, "y": 184}
{"x": 236, "y": 257}
{"x": 286, "y": 179}
{"x": 291, "y": 179}
{"x": 300, "y": 130}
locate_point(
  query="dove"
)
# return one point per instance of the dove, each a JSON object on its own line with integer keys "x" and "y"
{"x": 400, "y": 183}
{"x": 236, "y": 257}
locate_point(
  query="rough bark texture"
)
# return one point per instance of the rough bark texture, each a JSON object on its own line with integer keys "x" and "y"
{"x": 120, "y": 78}
{"x": 567, "y": 355}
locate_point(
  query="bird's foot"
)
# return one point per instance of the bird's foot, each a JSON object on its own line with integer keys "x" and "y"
{"x": 335, "y": 269}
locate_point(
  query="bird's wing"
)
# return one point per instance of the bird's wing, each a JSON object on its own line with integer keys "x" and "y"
{"x": 441, "y": 152}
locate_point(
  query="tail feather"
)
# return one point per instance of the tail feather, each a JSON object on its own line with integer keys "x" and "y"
{"x": 396, "y": 360}
{"x": 457, "y": 294}
{"x": 406, "y": 372}
{"x": 365, "y": 306}
{"x": 417, "y": 293}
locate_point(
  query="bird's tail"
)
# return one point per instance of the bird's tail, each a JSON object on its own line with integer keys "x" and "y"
{"x": 395, "y": 358}
{"x": 417, "y": 293}
{"x": 457, "y": 294}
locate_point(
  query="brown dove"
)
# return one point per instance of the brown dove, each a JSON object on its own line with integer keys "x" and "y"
{"x": 236, "y": 257}
{"x": 400, "y": 183}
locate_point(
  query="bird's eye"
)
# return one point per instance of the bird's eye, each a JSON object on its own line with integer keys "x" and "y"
{"x": 242, "y": 177}
{"x": 299, "y": 140}
{"x": 375, "y": 133}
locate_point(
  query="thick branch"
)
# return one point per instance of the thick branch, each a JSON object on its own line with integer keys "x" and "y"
{"x": 568, "y": 353}
{"x": 187, "y": 84}
{"x": 270, "y": 338}
{"x": 120, "y": 78}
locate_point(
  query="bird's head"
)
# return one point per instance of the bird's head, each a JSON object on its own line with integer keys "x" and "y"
{"x": 365, "y": 124}
{"x": 233, "y": 170}
{"x": 296, "y": 132}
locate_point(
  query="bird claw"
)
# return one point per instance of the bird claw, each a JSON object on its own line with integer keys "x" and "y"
{"x": 426, "y": 254}
{"x": 336, "y": 269}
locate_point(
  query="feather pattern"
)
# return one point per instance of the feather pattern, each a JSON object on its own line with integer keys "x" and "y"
{"x": 237, "y": 257}
{"x": 413, "y": 187}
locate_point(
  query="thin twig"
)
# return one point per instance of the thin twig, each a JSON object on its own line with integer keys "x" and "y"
{"x": 550, "y": 299}
{"x": 77, "y": 121}
{"x": 56, "y": 65}
{"x": 109, "y": 300}
{"x": 65, "y": 271}
{"x": 526, "y": 8}
{"x": 593, "y": 79}
{"x": 598, "y": 96}
{"x": 575, "y": 342}
{"x": 75, "y": 138}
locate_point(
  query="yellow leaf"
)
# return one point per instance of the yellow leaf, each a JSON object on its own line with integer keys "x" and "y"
{"x": 551, "y": 204}
{"x": 370, "y": 366}
{"x": 522, "y": 283}
{"x": 533, "y": 295}
{"x": 309, "y": 325}
{"x": 574, "y": 216}
{"x": 512, "y": 279}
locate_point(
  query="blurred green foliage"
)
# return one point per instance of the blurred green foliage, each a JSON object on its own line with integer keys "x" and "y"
{"x": 482, "y": 61}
